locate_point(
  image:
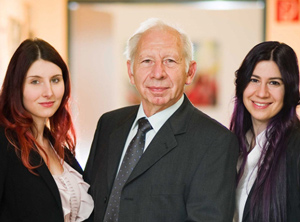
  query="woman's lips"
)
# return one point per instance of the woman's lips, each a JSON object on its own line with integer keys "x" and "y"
{"x": 47, "y": 104}
{"x": 261, "y": 105}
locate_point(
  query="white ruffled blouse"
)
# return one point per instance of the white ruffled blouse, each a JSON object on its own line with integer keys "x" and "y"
{"x": 76, "y": 202}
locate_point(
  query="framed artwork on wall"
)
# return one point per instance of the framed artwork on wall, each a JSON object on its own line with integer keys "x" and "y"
{"x": 204, "y": 89}
{"x": 287, "y": 10}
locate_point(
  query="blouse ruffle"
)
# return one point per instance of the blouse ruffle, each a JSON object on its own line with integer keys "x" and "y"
{"x": 76, "y": 202}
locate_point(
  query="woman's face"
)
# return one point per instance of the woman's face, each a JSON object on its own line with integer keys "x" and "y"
{"x": 264, "y": 94}
{"x": 43, "y": 90}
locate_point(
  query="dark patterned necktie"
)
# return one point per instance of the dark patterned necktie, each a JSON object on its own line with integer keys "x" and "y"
{"x": 132, "y": 156}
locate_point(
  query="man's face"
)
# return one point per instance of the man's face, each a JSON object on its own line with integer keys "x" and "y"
{"x": 159, "y": 69}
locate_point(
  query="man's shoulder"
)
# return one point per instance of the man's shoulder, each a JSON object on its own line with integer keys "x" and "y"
{"x": 124, "y": 111}
{"x": 197, "y": 117}
{"x": 202, "y": 120}
{"x": 121, "y": 113}
{"x": 118, "y": 116}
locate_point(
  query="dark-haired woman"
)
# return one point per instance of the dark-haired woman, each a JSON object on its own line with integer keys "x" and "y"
{"x": 266, "y": 123}
{"x": 40, "y": 179}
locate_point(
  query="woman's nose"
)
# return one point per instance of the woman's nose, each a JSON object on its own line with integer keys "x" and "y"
{"x": 263, "y": 90}
{"x": 47, "y": 90}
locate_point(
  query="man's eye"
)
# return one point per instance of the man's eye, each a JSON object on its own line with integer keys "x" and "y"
{"x": 146, "y": 61}
{"x": 170, "y": 60}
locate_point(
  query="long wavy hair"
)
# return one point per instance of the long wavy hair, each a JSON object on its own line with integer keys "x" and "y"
{"x": 17, "y": 121}
{"x": 268, "y": 200}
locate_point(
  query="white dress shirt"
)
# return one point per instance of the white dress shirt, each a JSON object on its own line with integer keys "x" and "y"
{"x": 250, "y": 173}
{"x": 157, "y": 121}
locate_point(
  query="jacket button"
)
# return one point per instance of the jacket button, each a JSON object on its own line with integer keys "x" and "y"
{"x": 105, "y": 199}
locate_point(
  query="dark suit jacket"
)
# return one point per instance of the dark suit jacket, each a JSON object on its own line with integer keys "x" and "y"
{"x": 293, "y": 178}
{"x": 187, "y": 173}
{"x": 25, "y": 197}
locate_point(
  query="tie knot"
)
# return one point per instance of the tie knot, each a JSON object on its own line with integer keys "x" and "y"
{"x": 144, "y": 125}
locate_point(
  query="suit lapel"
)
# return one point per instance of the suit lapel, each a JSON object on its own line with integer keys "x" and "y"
{"x": 45, "y": 174}
{"x": 246, "y": 213}
{"x": 161, "y": 144}
{"x": 246, "y": 210}
{"x": 165, "y": 140}
{"x": 117, "y": 142}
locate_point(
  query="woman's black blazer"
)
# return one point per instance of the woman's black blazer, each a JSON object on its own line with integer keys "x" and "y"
{"x": 293, "y": 180}
{"x": 25, "y": 197}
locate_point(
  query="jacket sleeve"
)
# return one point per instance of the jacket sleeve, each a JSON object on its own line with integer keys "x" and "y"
{"x": 3, "y": 161}
{"x": 87, "y": 175}
{"x": 293, "y": 177}
{"x": 212, "y": 191}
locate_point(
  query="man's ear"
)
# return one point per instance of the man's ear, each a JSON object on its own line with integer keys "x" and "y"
{"x": 191, "y": 72}
{"x": 129, "y": 71}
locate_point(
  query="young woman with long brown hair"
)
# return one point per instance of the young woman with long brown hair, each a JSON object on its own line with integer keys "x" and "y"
{"x": 40, "y": 179}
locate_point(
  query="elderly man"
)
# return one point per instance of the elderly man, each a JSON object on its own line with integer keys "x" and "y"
{"x": 163, "y": 160}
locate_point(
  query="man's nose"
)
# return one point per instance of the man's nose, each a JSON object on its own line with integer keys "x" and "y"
{"x": 158, "y": 70}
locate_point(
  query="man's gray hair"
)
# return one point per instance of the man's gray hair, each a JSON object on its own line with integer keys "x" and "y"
{"x": 133, "y": 41}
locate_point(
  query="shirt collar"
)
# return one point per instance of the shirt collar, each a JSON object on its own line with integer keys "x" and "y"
{"x": 259, "y": 140}
{"x": 158, "y": 119}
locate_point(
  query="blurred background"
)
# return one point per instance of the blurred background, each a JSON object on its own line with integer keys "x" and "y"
{"x": 91, "y": 37}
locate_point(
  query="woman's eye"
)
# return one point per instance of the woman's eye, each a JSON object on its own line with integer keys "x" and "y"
{"x": 55, "y": 80}
{"x": 253, "y": 80}
{"x": 35, "y": 82}
{"x": 275, "y": 83}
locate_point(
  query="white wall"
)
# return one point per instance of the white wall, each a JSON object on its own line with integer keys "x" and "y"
{"x": 49, "y": 21}
{"x": 92, "y": 66}
{"x": 11, "y": 12}
{"x": 283, "y": 31}
{"x": 45, "y": 19}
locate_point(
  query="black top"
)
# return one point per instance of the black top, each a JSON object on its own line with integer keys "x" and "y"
{"x": 293, "y": 180}
{"x": 25, "y": 197}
